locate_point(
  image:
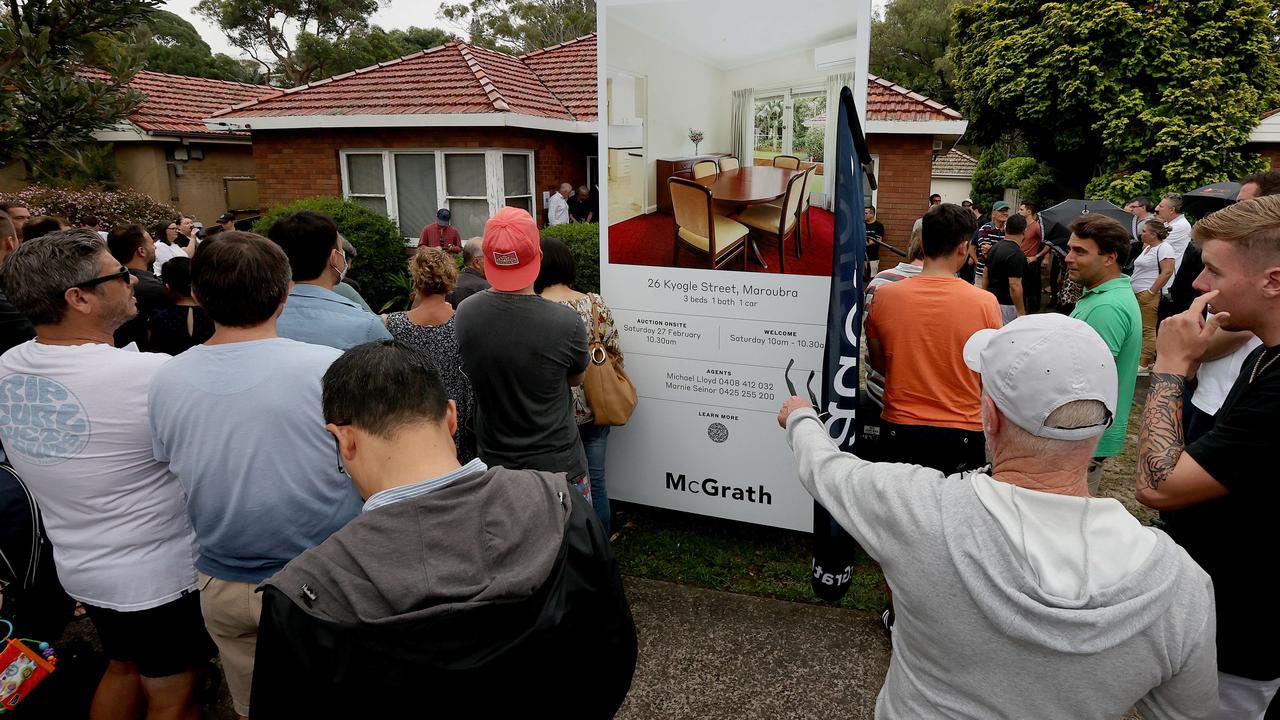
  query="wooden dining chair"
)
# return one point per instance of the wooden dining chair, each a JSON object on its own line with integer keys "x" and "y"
{"x": 789, "y": 162}
{"x": 728, "y": 163}
{"x": 704, "y": 168}
{"x": 802, "y": 211}
{"x": 778, "y": 221}
{"x": 701, "y": 230}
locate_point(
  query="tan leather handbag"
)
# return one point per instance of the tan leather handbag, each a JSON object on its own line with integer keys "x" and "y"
{"x": 609, "y": 392}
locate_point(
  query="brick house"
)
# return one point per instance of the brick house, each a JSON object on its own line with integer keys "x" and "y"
{"x": 1265, "y": 138}
{"x": 455, "y": 126}
{"x": 906, "y": 133}
{"x": 164, "y": 149}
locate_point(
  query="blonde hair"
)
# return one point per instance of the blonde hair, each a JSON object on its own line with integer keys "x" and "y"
{"x": 915, "y": 248}
{"x": 433, "y": 271}
{"x": 1254, "y": 225}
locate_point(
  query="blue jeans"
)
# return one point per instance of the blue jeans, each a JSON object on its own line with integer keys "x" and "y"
{"x": 595, "y": 440}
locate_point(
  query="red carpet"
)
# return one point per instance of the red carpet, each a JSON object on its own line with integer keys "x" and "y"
{"x": 647, "y": 240}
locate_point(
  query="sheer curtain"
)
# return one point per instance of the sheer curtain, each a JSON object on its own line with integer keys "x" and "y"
{"x": 743, "y": 138}
{"x": 834, "y": 84}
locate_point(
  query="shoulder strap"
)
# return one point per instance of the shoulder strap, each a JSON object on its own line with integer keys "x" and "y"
{"x": 595, "y": 319}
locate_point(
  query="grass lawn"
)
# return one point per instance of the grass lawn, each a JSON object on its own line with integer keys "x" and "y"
{"x": 756, "y": 560}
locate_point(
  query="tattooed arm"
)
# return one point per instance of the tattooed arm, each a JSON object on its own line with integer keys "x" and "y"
{"x": 1169, "y": 478}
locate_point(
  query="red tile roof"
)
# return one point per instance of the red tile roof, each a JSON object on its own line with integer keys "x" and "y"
{"x": 176, "y": 104}
{"x": 887, "y": 101}
{"x": 451, "y": 79}
{"x": 954, "y": 164}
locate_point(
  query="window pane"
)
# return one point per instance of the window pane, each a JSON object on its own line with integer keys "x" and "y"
{"x": 364, "y": 174}
{"x": 376, "y": 204}
{"x": 515, "y": 174}
{"x": 416, "y": 192}
{"x": 768, "y": 127}
{"x": 469, "y": 216}
{"x": 524, "y": 203}
{"x": 464, "y": 175}
{"x": 809, "y": 127}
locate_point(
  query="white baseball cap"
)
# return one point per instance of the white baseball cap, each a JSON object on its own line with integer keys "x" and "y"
{"x": 1038, "y": 363}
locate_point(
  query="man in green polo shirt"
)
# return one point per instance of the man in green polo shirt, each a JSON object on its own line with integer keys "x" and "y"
{"x": 1095, "y": 254}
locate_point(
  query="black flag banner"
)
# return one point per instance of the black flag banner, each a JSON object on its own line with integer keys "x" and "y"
{"x": 833, "y": 548}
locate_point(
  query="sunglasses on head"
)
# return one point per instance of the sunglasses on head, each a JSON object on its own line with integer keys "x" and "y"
{"x": 122, "y": 275}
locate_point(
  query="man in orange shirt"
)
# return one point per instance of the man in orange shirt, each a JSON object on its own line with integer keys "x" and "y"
{"x": 1035, "y": 250}
{"x": 916, "y": 332}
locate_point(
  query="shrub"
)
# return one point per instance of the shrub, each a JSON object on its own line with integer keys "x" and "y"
{"x": 583, "y": 240}
{"x": 111, "y": 207}
{"x": 380, "y": 249}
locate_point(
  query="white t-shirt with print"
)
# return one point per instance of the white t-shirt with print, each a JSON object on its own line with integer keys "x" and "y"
{"x": 74, "y": 423}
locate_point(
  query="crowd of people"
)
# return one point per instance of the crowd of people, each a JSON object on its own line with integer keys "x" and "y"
{"x": 1021, "y": 412}
{"x": 237, "y": 459}
{"x": 234, "y": 456}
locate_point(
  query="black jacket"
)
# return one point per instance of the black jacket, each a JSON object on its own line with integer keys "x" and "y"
{"x": 470, "y": 282}
{"x": 150, "y": 294}
{"x": 15, "y": 328}
{"x": 336, "y": 641}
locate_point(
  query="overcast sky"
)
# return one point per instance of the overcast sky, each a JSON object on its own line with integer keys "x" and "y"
{"x": 398, "y": 14}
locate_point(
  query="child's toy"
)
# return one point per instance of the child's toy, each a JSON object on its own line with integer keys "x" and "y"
{"x": 21, "y": 668}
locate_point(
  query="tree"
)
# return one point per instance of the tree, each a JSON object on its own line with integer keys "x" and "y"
{"x": 522, "y": 26}
{"x": 909, "y": 46}
{"x": 172, "y": 45}
{"x": 49, "y": 109}
{"x": 365, "y": 47}
{"x": 1120, "y": 96}
{"x": 268, "y": 30}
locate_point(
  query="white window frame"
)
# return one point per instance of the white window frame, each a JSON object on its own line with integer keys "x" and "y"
{"x": 495, "y": 184}
{"x": 532, "y": 195}
{"x": 788, "y": 97}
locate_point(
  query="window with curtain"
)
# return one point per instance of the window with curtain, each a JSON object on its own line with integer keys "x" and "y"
{"x": 409, "y": 186}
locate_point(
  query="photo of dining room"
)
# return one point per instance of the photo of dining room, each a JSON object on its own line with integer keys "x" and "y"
{"x": 718, "y": 135}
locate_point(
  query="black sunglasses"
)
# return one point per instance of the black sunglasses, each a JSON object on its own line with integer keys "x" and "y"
{"x": 122, "y": 275}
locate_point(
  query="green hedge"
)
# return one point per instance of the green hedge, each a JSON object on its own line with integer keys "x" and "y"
{"x": 380, "y": 266}
{"x": 583, "y": 240}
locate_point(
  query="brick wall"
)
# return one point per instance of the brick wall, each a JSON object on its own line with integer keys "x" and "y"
{"x": 294, "y": 164}
{"x": 906, "y": 169}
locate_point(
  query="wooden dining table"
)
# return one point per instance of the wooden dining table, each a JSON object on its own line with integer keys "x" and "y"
{"x": 749, "y": 185}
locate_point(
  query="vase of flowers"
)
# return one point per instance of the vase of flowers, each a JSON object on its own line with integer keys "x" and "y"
{"x": 696, "y": 137}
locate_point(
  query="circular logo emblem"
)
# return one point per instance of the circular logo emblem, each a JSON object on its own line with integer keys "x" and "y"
{"x": 41, "y": 420}
{"x": 718, "y": 432}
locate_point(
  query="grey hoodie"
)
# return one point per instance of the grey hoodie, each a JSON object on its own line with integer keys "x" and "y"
{"x": 1012, "y": 603}
{"x": 490, "y": 537}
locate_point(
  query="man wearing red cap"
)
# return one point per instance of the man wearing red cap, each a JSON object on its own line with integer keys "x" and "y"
{"x": 522, "y": 353}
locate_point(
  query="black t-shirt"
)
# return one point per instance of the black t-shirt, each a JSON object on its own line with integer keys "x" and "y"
{"x": 875, "y": 231}
{"x": 150, "y": 295}
{"x": 519, "y": 351}
{"x": 1234, "y": 537}
{"x": 15, "y": 328}
{"x": 578, "y": 209}
{"x": 1004, "y": 261}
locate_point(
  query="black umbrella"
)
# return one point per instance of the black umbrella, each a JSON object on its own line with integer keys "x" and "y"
{"x": 1055, "y": 222}
{"x": 1207, "y": 199}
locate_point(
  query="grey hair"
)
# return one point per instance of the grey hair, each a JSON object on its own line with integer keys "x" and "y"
{"x": 566, "y": 186}
{"x": 37, "y": 275}
{"x": 347, "y": 248}
{"x": 1174, "y": 200}
{"x": 584, "y": 188}
{"x": 1075, "y": 414}
{"x": 472, "y": 249}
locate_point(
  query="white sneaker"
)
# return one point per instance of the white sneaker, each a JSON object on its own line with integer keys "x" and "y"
{"x": 1144, "y": 370}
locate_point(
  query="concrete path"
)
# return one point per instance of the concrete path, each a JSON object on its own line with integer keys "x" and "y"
{"x": 707, "y": 654}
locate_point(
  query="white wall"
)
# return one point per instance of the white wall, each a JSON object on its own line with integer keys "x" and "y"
{"x": 683, "y": 92}
{"x": 952, "y": 190}
{"x": 795, "y": 70}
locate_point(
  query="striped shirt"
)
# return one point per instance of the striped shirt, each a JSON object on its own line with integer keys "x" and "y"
{"x": 405, "y": 492}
